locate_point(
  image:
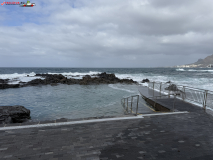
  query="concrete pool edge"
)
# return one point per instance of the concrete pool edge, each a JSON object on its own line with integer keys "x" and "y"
{"x": 86, "y": 121}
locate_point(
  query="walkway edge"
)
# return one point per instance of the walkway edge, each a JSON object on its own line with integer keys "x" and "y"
{"x": 86, "y": 121}
{"x": 160, "y": 114}
{"x": 70, "y": 123}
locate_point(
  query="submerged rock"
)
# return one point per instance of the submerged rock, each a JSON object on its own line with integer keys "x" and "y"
{"x": 14, "y": 114}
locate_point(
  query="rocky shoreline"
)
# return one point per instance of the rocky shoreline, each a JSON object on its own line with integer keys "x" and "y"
{"x": 54, "y": 79}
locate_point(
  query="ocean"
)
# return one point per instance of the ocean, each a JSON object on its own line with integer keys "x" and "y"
{"x": 83, "y": 101}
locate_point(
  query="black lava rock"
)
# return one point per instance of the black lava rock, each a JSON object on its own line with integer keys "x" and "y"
{"x": 13, "y": 114}
{"x": 145, "y": 80}
{"x": 4, "y": 85}
{"x": 172, "y": 87}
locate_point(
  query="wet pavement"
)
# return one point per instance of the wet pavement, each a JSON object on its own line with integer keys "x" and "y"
{"x": 164, "y": 136}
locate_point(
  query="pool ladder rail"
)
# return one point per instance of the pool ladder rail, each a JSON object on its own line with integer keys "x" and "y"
{"x": 125, "y": 102}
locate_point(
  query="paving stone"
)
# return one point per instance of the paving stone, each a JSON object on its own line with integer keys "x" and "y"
{"x": 124, "y": 139}
{"x": 3, "y": 149}
{"x": 161, "y": 151}
{"x": 8, "y": 156}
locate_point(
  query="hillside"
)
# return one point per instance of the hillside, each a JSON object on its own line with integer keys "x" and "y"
{"x": 203, "y": 63}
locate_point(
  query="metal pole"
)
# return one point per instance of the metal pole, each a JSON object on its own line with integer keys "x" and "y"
{"x": 131, "y": 103}
{"x": 174, "y": 102}
{"x": 137, "y": 105}
{"x": 124, "y": 102}
{"x": 127, "y": 106}
{"x": 184, "y": 93}
{"x": 153, "y": 88}
{"x": 160, "y": 88}
{"x": 205, "y": 99}
{"x": 169, "y": 90}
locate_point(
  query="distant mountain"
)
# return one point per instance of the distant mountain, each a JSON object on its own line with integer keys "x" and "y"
{"x": 201, "y": 63}
{"x": 205, "y": 62}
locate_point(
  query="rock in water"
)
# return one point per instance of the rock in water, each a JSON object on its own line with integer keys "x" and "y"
{"x": 14, "y": 114}
{"x": 172, "y": 87}
{"x": 4, "y": 86}
{"x": 145, "y": 80}
{"x": 4, "y": 80}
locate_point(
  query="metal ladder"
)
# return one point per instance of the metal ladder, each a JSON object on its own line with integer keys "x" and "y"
{"x": 125, "y": 103}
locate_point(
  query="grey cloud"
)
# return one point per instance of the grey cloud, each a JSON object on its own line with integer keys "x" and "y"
{"x": 111, "y": 33}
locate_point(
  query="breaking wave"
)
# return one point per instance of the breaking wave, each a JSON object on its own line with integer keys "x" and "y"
{"x": 114, "y": 87}
{"x": 194, "y": 70}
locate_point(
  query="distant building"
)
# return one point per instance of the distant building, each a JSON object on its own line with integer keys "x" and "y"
{"x": 190, "y": 66}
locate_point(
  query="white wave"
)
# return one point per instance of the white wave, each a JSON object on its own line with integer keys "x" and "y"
{"x": 194, "y": 70}
{"x": 180, "y": 69}
{"x": 205, "y": 70}
{"x": 15, "y": 78}
{"x": 122, "y": 89}
{"x": 140, "y": 77}
{"x": 76, "y": 73}
{"x": 15, "y": 75}
{"x": 202, "y": 83}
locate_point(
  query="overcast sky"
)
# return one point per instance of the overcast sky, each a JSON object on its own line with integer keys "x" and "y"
{"x": 106, "y": 33}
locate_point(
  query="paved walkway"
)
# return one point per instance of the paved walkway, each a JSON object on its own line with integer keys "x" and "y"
{"x": 178, "y": 136}
{"x": 173, "y": 137}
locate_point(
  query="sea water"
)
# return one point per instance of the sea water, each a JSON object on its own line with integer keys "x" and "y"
{"x": 81, "y": 101}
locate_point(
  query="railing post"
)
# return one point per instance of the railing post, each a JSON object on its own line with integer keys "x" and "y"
{"x": 153, "y": 88}
{"x": 184, "y": 93}
{"x": 160, "y": 88}
{"x": 174, "y": 102}
{"x": 137, "y": 105}
{"x": 169, "y": 90}
{"x": 205, "y": 99}
{"x": 131, "y": 103}
{"x": 127, "y": 106}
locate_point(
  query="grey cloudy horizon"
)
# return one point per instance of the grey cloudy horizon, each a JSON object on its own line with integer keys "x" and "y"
{"x": 112, "y": 33}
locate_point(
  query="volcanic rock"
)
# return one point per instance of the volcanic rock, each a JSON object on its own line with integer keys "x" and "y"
{"x": 4, "y": 86}
{"x": 145, "y": 80}
{"x": 52, "y": 79}
{"x": 13, "y": 114}
{"x": 4, "y": 80}
{"x": 172, "y": 87}
{"x": 36, "y": 82}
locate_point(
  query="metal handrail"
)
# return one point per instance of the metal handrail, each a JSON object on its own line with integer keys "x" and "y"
{"x": 195, "y": 94}
{"x": 131, "y": 102}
